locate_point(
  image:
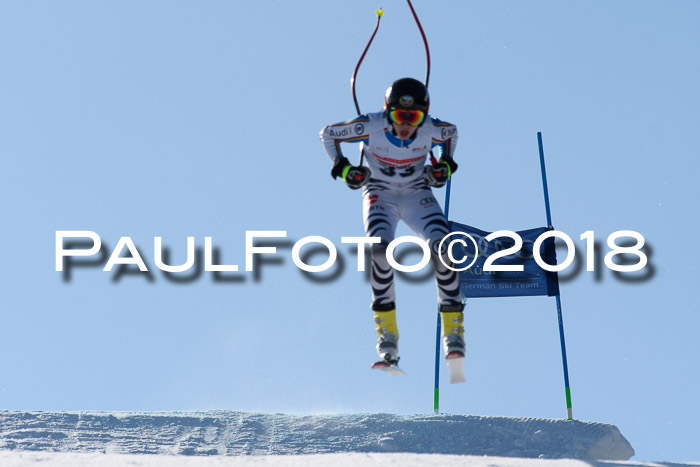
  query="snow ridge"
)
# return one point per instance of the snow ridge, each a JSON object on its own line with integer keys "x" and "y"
{"x": 244, "y": 433}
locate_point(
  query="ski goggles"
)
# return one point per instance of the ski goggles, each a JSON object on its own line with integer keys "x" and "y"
{"x": 406, "y": 117}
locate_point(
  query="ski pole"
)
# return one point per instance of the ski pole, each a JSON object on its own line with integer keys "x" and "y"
{"x": 425, "y": 42}
{"x": 427, "y": 60}
{"x": 379, "y": 13}
{"x": 436, "y": 389}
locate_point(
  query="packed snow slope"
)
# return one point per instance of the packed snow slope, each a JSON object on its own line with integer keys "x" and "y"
{"x": 62, "y": 459}
{"x": 242, "y": 433}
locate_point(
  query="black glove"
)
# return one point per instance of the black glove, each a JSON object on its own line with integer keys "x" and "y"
{"x": 438, "y": 174}
{"x": 451, "y": 164}
{"x": 354, "y": 177}
{"x": 435, "y": 175}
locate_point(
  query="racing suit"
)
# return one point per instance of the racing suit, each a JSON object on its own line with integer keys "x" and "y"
{"x": 397, "y": 191}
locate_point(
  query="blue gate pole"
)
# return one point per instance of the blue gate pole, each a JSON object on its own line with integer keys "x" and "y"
{"x": 567, "y": 388}
{"x": 436, "y": 391}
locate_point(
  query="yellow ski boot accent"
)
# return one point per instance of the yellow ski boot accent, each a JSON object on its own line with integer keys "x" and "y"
{"x": 386, "y": 322}
{"x": 452, "y": 323}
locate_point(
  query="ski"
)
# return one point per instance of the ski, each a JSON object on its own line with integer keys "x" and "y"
{"x": 455, "y": 362}
{"x": 388, "y": 368}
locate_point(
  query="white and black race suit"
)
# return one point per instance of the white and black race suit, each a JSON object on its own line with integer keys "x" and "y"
{"x": 397, "y": 191}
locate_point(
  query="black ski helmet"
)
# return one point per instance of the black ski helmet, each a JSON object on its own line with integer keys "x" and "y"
{"x": 407, "y": 93}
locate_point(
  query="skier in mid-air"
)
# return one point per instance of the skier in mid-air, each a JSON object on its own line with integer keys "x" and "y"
{"x": 395, "y": 144}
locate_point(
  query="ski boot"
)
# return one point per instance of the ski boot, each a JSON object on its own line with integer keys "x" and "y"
{"x": 453, "y": 340}
{"x": 387, "y": 340}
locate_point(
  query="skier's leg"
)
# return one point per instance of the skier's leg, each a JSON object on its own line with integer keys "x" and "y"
{"x": 380, "y": 219}
{"x": 424, "y": 216}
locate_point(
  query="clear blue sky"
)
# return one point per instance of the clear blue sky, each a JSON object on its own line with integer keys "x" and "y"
{"x": 177, "y": 119}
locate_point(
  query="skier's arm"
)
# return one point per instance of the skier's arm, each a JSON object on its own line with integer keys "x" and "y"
{"x": 445, "y": 137}
{"x": 353, "y": 131}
